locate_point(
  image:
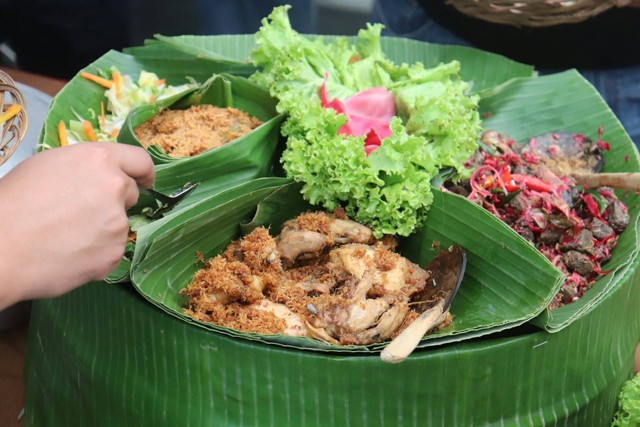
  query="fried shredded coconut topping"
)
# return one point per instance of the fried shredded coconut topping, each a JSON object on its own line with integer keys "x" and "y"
{"x": 324, "y": 277}
{"x": 182, "y": 133}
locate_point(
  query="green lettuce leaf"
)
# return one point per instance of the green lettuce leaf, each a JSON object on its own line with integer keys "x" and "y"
{"x": 436, "y": 125}
{"x": 628, "y": 413}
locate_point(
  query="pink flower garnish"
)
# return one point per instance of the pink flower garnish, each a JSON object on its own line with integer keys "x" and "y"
{"x": 368, "y": 113}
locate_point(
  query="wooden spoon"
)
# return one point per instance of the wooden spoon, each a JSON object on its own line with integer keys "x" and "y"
{"x": 447, "y": 271}
{"x": 572, "y": 155}
{"x": 620, "y": 180}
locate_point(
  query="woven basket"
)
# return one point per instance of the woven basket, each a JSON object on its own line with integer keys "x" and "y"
{"x": 15, "y": 127}
{"x": 537, "y": 13}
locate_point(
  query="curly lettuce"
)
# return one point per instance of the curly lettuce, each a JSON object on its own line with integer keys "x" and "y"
{"x": 436, "y": 125}
{"x": 628, "y": 413}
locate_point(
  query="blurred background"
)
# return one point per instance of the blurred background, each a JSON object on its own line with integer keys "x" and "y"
{"x": 58, "y": 37}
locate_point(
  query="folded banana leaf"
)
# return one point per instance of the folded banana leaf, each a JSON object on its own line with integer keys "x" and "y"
{"x": 485, "y": 70}
{"x": 245, "y": 158}
{"x": 514, "y": 103}
{"x": 220, "y": 90}
{"x": 226, "y": 210}
{"x": 83, "y": 97}
{"x": 507, "y": 282}
{"x": 155, "y": 55}
{"x": 524, "y": 108}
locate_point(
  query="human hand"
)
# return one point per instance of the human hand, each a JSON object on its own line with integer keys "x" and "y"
{"x": 63, "y": 217}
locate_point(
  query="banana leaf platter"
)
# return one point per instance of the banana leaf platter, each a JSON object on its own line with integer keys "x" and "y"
{"x": 516, "y": 103}
{"x": 164, "y": 260}
{"x": 112, "y": 353}
{"x": 104, "y": 356}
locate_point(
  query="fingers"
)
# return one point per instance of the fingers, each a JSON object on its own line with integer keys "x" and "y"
{"x": 136, "y": 162}
{"x": 131, "y": 193}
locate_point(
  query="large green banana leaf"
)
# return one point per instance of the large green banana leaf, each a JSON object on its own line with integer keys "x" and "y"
{"x": 137, "y": 365}
{"x": 484, "y": 69}
{"x": 513, "y": 102}
{"x": 507, "y": 282}
{"x": 103, "y": 356}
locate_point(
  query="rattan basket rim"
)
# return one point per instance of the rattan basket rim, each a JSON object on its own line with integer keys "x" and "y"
{"x": 537, "y": 13}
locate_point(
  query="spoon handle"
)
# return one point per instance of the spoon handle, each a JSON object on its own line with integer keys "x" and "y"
{"x": 622, "y": 180}
{"x": 404, "y": 344}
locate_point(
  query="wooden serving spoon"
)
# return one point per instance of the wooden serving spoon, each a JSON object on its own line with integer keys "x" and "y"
{"x": 571, "y": 155}
{"x": 447, "y": 271}
{"x": 620, "y": 180}
{"x": 13, "y": 117}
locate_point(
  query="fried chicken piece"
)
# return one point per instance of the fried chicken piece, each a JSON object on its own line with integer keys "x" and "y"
{"x": 316, "y": 278}
{"x": 376, "y": 285}
{"x": 294, "y": 322}
{"x": 241, "y": 273}
{"x": 306, "y": 236}
{"x": 392, "y": 273}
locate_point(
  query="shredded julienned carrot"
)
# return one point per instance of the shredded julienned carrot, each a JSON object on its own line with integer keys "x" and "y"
{"x": 97, "y": 79}
{"x": 114, "y": 133}
{"x": 10, "y": 113}
{"x": 88, "y": 130}
{"x": 118, "y": 81}
{"x": 151, "y": 98}
{"x": 161, "y": 82}
{"x": 62, "y": 134}
{"x": 101, "y": 117}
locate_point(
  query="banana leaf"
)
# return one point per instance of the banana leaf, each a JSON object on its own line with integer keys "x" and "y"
{"x": 220, "y": 90}
{"x": 154, "y": 55}
{"x": 150, "y": 367}
{"x": 83, "y": 97}
{"x": 567, "y": 102}
{"x": 103, "y": 356}
{"x": 507, "y": 282}
{"x": 248, "y": 157}
{"x": 226, "y": 210}
{"x": 485, "y": 70}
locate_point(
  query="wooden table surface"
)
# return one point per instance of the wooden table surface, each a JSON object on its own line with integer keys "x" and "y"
{"x": 13, "y": 341}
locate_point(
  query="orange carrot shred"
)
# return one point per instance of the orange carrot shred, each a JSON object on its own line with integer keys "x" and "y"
{"x": 88, "y": 130}
{"x": 97, "y": 79}
{"x": 118, "y": 81}
{"x": 161, "y": 82}
{"x": 114, "y": 133}
{"x": 62, "y": 134}
{"x": 101, "y": 117}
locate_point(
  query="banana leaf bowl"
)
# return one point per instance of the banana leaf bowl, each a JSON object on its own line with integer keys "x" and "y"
{"x": 123, "y": 354}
